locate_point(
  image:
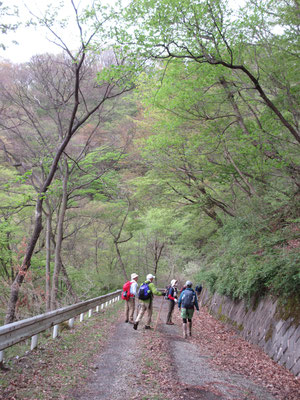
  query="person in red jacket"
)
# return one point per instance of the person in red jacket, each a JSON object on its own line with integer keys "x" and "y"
{"x": 172, "y": 298}
{"x": 130, "y": 303}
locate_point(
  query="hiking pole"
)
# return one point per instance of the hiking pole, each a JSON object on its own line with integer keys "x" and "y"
{"x": 156, "y": 323}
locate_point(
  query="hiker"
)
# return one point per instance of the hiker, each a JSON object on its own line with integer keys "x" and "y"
{"x": 130, "y": 300}
{"x": 187, "y": 302}
{"x": 182, "y": 289}
{"x": 172, "y": 298}
{"x": 146, "y": 292}
{"x": 198, "y": 290}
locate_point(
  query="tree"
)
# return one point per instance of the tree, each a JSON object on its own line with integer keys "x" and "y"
{"x": 207, "y": 32}
{"x": 8, "y": 23}
{"x": 79, "y": 112}
{"x": 83, "y": 178}
{"x": 208, "y": 119}
{"x": 16, "y": 205}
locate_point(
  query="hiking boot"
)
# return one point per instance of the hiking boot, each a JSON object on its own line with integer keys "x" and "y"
{"x": 135, "y": 325}
{"x": 148, "y": 327}
{"x": 126, "y": 320}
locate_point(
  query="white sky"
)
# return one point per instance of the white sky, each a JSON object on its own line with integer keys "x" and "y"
{"x": 33, "y": 41}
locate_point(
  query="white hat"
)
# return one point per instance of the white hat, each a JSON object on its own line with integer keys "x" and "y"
{"x": 188, "y": 283}
{"x": 173, "y": 282}
{"x": 134, "y": 275}
{"x": 149, "y": 277}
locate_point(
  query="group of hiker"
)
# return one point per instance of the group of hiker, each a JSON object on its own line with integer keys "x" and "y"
{"x": 186, "y": 299}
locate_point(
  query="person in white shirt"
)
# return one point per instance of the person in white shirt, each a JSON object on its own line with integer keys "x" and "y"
{"x": 130, "y": 304}
{"x": 172, "y": 297}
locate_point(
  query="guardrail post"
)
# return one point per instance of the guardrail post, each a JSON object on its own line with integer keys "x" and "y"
{"x": 71, "y": 322}
{"x": 34, "y": 341}
{"x": 81, "y": 317}
{"x": 55, "y": 331}
{"x": 1, "y": 356}
{"x": 97, "y": 309}
{"x": 90, "y": 313}
{"x": 102, "y": 305}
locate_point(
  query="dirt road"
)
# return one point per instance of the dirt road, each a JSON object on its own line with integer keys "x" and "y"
{"x": 162, "y": 365}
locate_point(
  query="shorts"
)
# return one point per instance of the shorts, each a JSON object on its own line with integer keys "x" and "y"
{"x": 187, "y": 313}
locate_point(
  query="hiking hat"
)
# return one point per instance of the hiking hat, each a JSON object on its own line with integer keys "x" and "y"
{"x": 188, "y": 283}
{"x": 134, "y": 275}
{"x": 150, "y": 276}
{"x": 173, "y": 282}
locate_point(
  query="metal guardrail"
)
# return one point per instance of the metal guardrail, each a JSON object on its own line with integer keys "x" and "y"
{"x": 16, "y": 332}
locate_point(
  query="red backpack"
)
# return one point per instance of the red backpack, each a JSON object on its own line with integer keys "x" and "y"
{"x": 126, "y": 291}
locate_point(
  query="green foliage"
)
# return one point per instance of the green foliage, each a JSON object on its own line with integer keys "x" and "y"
{"x": 212, "y": 168}
{"x": 212, "y": 146}
{"x": 250, "y": 257}
{"x": 14, "y": 193}
{"x": 15, "y": 199}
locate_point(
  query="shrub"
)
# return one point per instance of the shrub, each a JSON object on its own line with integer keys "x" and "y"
{"x": 250, "y": 256}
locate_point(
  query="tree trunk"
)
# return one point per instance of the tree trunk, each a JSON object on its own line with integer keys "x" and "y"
{"x": 68, "y": 283}
{"x": 120, "y": 260}
{"x": 157, "y": 254}
{"x": 48, "y": 261}
{"x": 58, "y": 240}
{"x": 117, "y": 241}
{"x": 15, "y": 287}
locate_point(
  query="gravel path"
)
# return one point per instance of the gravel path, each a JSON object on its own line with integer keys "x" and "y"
{"x": 117, "y": 371}
{"x": 193, "y": 368}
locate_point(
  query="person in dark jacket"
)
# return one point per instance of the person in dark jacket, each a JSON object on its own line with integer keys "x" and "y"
{"x": 198, "y": 290}
{"x": 172, "y": 299}
{"x": 187, "y": 303}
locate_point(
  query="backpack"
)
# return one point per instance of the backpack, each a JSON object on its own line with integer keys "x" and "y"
{"x": 188, "y": 299}
{"x": 167, "y": 292}
{"x": 126, "y": 291}
{"x": 144, "y": 292}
